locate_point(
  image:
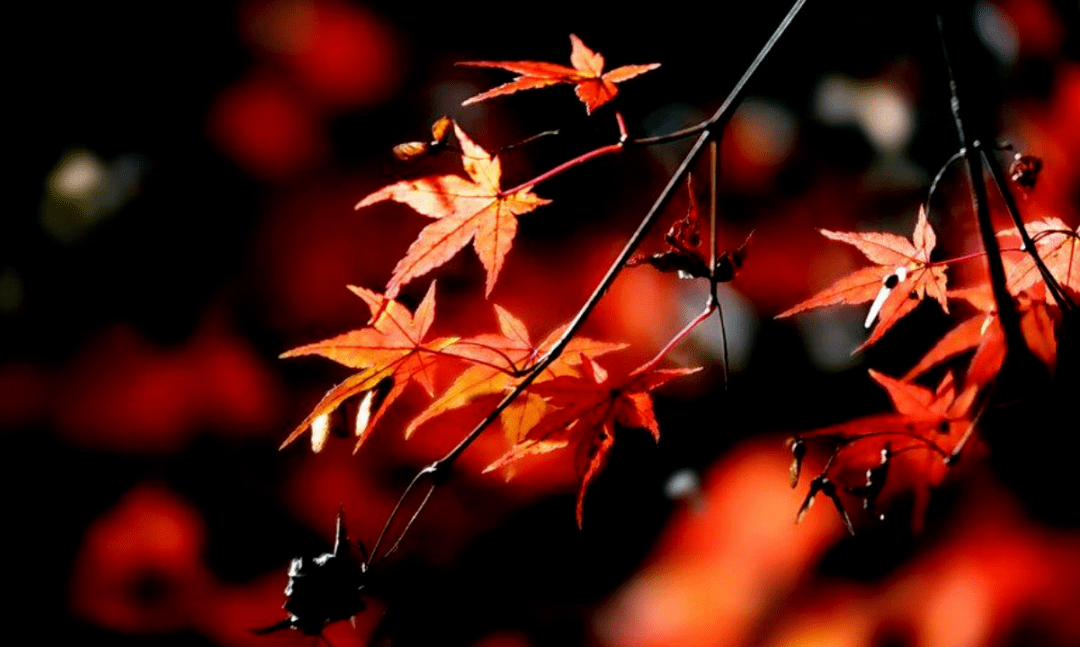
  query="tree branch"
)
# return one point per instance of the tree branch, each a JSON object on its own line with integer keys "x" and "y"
{"x": 707, "y": 131}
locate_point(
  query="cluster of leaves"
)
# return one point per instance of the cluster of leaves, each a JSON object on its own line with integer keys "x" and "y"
{"x": 554, "y": 395}
{"x": 570, "y": 401}
{"x": 909, "y": 451}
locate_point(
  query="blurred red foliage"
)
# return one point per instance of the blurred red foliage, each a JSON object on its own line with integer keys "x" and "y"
{"x": 733, "y": 573}
{"x": 266, "y": 129}
{"x": 295, "y": 73}
{"x": 125, "y": 393}
{"x": 140, "y": 568}
{"x": 341, "y": 55}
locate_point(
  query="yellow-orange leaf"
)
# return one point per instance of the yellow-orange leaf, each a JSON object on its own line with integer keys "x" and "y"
{"x": 1059, "y": 247}
{"x": 392, "y": 348}
{"x": 586, "y": 409}
{"x": 472, "y": 209}
{"x": 499, "y": 360}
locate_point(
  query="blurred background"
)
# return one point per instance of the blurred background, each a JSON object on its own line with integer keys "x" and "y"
{"x": 183, "y": 180}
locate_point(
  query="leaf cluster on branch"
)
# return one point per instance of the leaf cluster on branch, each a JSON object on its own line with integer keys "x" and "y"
{"x": 555, "y": 395}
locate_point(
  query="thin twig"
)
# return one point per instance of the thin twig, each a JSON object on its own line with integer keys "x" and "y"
{"x": 565, "y": 166}
{"x": 528, "y": 140}
{"x": 427, "y": 472}
{"x": 954, "y": 455}
{"x": 674, "y": 341}
{"x": 941, "y": 173}
{"x": 714, "y": 297}
{"x": 972, "y": 149}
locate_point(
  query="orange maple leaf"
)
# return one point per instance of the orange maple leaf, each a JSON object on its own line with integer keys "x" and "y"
{"x": 391, "y": 348}
{"x": 591, "y": 84}
{"x": 902, "y": 277}
{"x": 983, "y": 334}
{"x": 587, "y": 408}
{"x": 466, "y": 209}
{"x": 1059, "y": 248}
{"x": 907, "y": 450}
{"x": 499, "y": 361}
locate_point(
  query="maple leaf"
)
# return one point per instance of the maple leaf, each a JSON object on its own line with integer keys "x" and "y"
{"x": 901, "y": 277}
{"x": 1059, "y": 248}
{"x": 391, "y": 348}
{"x": 983, "y": 334}
{"x": 908, "y": 450}
{"x": 466, "y": 209}
{"x": 587, "y": 409}
{"x": 499, "y": 361}
{"x": 591, "y": 84}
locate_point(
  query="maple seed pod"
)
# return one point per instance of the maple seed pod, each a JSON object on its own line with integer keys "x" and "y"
{"x": 828, "y": 489}
{"x": 817, "y": 485}
{"x": 822, "y": 484}
{"x": 1024, "y": 170}
{"x": 440, "y": 133}
{"x": 798, "y": 452}
{"x": 807, "y": 502}
{"x": 409, "y": 151}
{"x": 875, "y": 481}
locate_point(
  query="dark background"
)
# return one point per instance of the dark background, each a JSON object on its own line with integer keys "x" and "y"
{"x": 220, "y": 149}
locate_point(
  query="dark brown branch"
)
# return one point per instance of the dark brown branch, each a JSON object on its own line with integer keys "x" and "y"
{"x": 972, "y": 150}
{"x": 998, "y": 174}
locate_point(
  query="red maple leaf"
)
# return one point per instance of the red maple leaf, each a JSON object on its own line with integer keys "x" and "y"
{"x": 499, "y": 361}
{"x": 905, "y": 451}
{"x": 391, "y": 348}
{"x": 587, "y": 408}
{"x": 591, "y": 84}
{"x": 1059, "y": 248}
{"x": 901, "y": 277}
{"x": 466, "y": 209}
{"x": 983, "y": 334}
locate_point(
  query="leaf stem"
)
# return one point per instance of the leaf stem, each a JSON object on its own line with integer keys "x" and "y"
{"x": 528, "y": 140}
{"x": 936, "y": 448}
{"x": 965, "y": 257}
{"x": 565, "y": 166}
{"x": 681, "y": 335}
